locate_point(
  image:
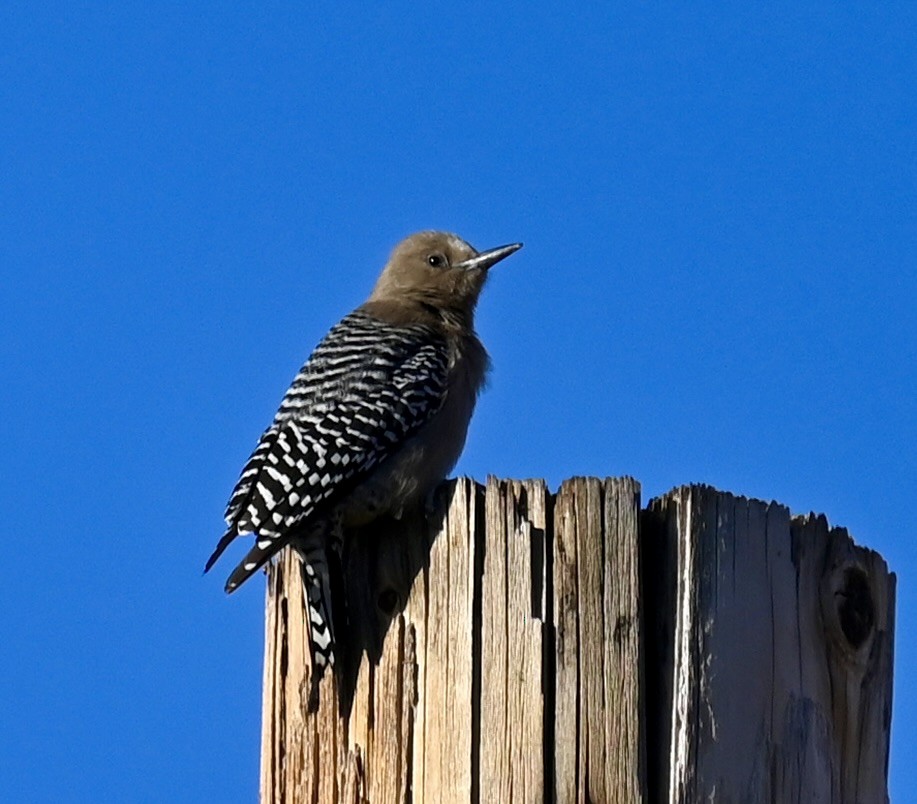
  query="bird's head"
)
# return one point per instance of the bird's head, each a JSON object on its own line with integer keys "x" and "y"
{"x": 438, "y": 269}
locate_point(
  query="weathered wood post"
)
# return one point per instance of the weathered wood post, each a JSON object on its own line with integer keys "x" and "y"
{"x": 521, "y": 646}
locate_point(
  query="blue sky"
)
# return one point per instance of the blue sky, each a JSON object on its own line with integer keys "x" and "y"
{"x": 720, "y": 217}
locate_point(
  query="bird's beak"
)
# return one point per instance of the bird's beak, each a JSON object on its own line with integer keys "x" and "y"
{"x": 487, "y": 259}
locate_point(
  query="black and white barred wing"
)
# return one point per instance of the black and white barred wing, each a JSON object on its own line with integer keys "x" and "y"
{"x": 366, "y": 389}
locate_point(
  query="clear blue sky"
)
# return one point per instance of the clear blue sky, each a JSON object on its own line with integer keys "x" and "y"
{"x": 718, "y": 285}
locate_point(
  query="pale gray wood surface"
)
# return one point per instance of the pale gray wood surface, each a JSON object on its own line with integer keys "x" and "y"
{"x": 598, "y": 730}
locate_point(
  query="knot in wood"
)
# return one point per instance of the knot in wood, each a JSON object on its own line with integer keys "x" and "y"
{"x": 387, "y": 601}
{"x": 855, "y": 608}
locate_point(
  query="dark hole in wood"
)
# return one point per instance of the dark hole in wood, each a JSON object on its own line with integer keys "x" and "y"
{"x": 855, "y": 609}
{"x": 622, "y": 627}
{"x": 284, "y": 647}
{"x": 387, "y": 601}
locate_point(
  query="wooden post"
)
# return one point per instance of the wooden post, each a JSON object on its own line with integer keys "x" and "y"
{"x": 518, "y": 646}
{"x": 776, "y": 653}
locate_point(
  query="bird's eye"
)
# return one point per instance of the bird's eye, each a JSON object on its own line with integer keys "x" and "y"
{"x": 436, "y": 260}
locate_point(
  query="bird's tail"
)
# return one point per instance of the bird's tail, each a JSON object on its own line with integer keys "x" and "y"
{"x": 256, "y": 558}
{"x": 317, "y": 588}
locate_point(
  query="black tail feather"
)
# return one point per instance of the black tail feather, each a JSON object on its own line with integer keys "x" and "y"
{"x": 225, "y": 541}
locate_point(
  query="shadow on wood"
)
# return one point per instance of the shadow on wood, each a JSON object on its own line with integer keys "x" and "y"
{"x": 380, "y": 563}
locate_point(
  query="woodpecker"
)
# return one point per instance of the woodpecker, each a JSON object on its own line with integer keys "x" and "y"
{"x": 373, "y": 421}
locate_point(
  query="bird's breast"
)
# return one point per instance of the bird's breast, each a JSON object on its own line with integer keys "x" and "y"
{"x": 423, "y": 461}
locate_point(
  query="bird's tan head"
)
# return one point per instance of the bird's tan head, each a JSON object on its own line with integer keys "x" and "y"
{"x": 437, "y": 269}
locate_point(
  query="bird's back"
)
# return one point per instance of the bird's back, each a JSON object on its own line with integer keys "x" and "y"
{"x": 368, "y": 386}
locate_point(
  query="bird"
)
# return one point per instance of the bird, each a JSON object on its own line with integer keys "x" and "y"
{"x": 372, "y": 422}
